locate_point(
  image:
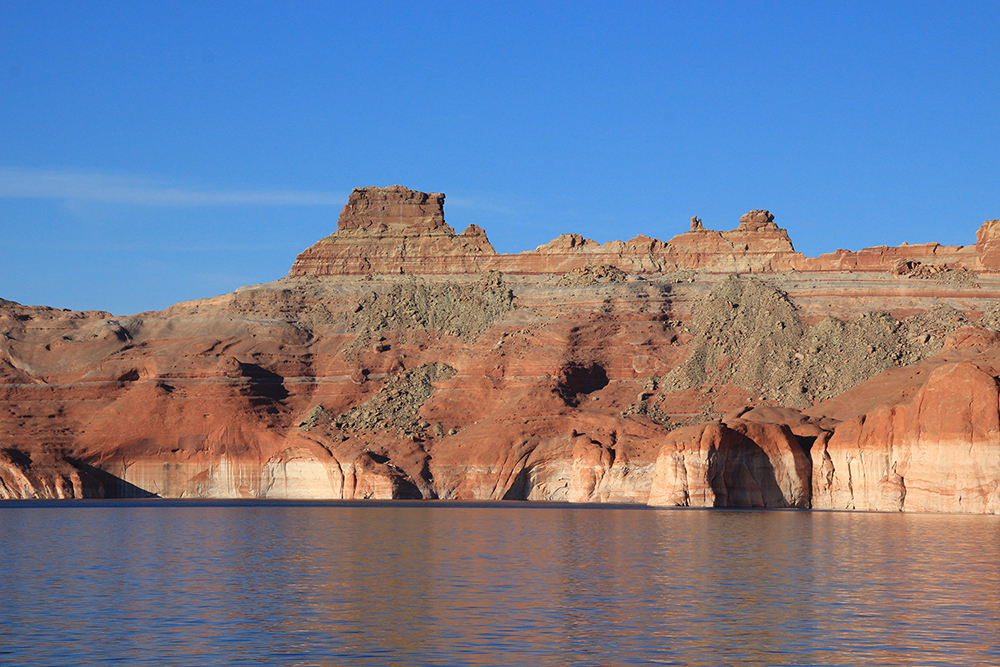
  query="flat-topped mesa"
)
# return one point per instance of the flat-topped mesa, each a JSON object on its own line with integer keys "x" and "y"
{"x": 395, "y": 208}
{"x": 394, "y": 230}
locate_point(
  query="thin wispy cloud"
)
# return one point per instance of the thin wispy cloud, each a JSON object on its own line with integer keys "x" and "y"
{"x": 115, "y": 189}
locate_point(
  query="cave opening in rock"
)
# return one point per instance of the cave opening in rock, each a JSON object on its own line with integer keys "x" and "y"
{"x": 577, "y": 380}
{"x": 806, "y": 442}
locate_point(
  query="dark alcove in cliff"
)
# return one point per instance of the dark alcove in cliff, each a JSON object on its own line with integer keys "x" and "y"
{"x": 264, "y": 386}
{"x": 580, "y": 379}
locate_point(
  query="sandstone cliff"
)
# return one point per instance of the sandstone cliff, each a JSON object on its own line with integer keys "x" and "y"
{"x": 399, "y": 359}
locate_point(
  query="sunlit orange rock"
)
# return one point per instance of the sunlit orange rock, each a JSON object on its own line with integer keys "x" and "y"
{"x": 400, "y": 359}
{"x": 734, "y": 464}
{"x": 937, "y": 451}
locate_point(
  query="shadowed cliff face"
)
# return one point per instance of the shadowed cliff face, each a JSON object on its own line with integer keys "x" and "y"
{"x": 400, "y": 359}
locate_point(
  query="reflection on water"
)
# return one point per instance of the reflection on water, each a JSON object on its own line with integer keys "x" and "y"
{"x": 174, "y": 583}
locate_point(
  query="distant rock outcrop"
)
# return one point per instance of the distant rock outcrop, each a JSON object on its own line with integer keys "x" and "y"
{"x": 757, "y": 221}
{"x": 379, "y": 210}
{"x": 394, "y": 231}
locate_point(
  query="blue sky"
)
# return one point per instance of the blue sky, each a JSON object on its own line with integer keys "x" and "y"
{"x": 157, "y": 152}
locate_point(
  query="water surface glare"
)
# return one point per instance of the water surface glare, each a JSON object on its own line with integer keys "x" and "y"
{"x": 288, "y": 583}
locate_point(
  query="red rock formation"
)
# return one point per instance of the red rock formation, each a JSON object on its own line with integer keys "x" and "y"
{"x": 933, "y": 447}
{"x": 399, "y": 231}
{"x": 394, "y": 230}
{"x": 988, "y": 245}
{"x": 734, "y": 464}
{"x": 643, "y": 373}
{"x": 757, "y": 221}
{"x": 378, "y": 210}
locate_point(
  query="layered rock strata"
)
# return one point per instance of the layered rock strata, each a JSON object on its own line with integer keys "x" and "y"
{"x": 394, "y": 230}
{"x": 402, "y": 360}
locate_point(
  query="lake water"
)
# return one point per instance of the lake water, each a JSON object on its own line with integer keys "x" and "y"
{"x": 268, "y": 583}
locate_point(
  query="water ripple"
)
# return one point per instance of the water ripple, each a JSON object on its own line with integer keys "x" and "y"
{"x": 317, "y": 584}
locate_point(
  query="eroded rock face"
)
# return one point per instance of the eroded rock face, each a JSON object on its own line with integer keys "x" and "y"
{"x": 379, "y": 210}
{"x": 737, "y": 464}
{"x": 988, "y": 245}
{"x": 939, "y": 451}
{"x": 394, "y": 230}
{"x": 399, "y": 231}
{"x": 757, "y": 221}
{"x": 402, "y": 360}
